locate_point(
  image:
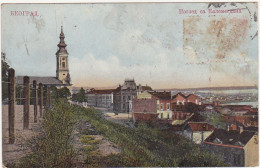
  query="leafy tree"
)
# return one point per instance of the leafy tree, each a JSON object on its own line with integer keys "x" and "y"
{"x": 60, "y": 93}
{"x": 80, "y": 96}
{"x": 5, "y": 68}
{"x": 63, "y": 92}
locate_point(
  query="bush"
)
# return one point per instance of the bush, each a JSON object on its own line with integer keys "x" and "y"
{"x": 53, "y": 147}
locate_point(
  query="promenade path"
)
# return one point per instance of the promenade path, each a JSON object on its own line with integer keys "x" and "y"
{"x": 13, "y": 152}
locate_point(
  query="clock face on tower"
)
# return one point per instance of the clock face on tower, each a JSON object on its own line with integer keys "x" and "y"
{"x": 62, "y": 71}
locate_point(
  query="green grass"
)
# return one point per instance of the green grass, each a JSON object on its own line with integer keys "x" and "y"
{"x": 146, "y": 146}
{"x": 54, "y": 146}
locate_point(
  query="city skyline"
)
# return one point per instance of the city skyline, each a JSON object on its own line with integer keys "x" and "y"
{"x": 159, "y": 49}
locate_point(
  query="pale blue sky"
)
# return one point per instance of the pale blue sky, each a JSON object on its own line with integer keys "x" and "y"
{"x": 110, "y": 42}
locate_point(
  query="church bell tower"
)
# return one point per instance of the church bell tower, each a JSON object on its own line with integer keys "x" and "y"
{"x": 62, "y": 70}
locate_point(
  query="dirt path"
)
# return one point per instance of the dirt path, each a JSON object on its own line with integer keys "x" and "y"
{"x": 120, "y": 118}
{"x": 13, "y": 152}
{"x": 91, "y": 146}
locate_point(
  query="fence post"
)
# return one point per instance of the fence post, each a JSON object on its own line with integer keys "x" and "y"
{"x": 41, "y": 98}
{"x": 26, "y": 105}
{"x": 35, "y": 100}
{"x": 11, "y": 98}
{"x": 48, "y": 97}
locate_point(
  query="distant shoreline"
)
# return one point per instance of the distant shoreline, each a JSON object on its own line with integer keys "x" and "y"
{"x": 183, "y": 89}
{"x": 211, "y": 88}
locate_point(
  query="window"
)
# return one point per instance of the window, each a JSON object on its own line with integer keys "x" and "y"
{"x": 63, "y": 64}
{"x": 123, "y": 98}
{"x": 161, "y": 115}
{"x": 158, "y": 107}
{"x": 168, "y": 115}
{"x": 129, "y": 97}
{"x": 161, "y": 106}
{"x": 63, "y": 58}
{"x": 123, "y": 106}
{"x": 168, "y": 106}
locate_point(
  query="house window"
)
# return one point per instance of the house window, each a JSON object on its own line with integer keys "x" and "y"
{"x": 168, "y": 116}
{"x": 161, "y": 115}
{"x": 161, "y": 106}
{"x": 168, "y": 106}
{"x": 63, "y": 64}
{"x": 123, "y": 106}
{"x": 129, "y": 97}
{"x": 123, "y": 98}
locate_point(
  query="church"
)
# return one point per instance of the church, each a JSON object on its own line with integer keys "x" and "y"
{"x": 62, "y": 68}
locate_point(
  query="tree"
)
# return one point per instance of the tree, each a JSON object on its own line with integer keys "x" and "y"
{"x": 60, "y": 93}
{"x": 5, "y": 68}
{"x": 63, "y": 92}
{"x": 80, "y": 96}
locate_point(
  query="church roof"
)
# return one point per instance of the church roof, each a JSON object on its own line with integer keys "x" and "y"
{"x": 45, "y": 80}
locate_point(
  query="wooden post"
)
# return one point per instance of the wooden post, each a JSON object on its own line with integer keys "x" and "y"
{"x": 41, "y": 98}
{"x": 35, "y": 100}
{"x": 11, "y": 97}
{"x": 47, "y": 97}
{"x": 26, "y": 104}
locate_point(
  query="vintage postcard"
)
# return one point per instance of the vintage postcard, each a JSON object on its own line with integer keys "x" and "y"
{"x": 140, "y": 84}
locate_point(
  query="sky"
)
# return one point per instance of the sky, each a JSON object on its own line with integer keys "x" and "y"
{"x": 150, "y": 42}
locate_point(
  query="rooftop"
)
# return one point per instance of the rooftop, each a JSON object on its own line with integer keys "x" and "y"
{"x": 105, "y": 91}
{"x": 234, "y": 138}
{"x": 200, "y": 126}
{"x": 45, "y": 80}
{"x": 162, "y": 95}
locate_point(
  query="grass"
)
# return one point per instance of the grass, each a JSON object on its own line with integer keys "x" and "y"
{"x": 54, "y": 146}
{"x": 142, "y": 146}
{"x": 145, "y": 146}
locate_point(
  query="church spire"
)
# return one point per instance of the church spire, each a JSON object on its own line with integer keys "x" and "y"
{"x": 62, "y": 45}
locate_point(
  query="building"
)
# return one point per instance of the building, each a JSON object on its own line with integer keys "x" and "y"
{"x": 101, "y": 98}
{"x": 180, "y": 98}
{"x": 127, "y": 93}
{"x": 62, "y": 69}
{"x": 124, "y": 95}
{"x": 237, "y": 148}
{"x": 144, "y": 109}
{"x": 198, "y": 131}
{"x": 163, "y": 102}
{"x": 182, "y": 112}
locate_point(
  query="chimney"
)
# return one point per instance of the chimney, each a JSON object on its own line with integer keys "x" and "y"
{"x": 241, "y": 130}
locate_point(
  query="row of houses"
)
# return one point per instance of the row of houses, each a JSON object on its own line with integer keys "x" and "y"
{"x": 163, "y": 105}
{"x": 119, "y": 99}
{"x": 237, "y": 145}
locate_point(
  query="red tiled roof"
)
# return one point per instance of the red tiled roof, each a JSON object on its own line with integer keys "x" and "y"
{"x": 200, "y": 126}
{"x": 162, "y": 95}
{"x": 191, "y": 95}
{"x": 107, "y": 91}
{"x": 146, "y": 88}
{"x": 182, "y": 95}
{"x": 144, "y": 105}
